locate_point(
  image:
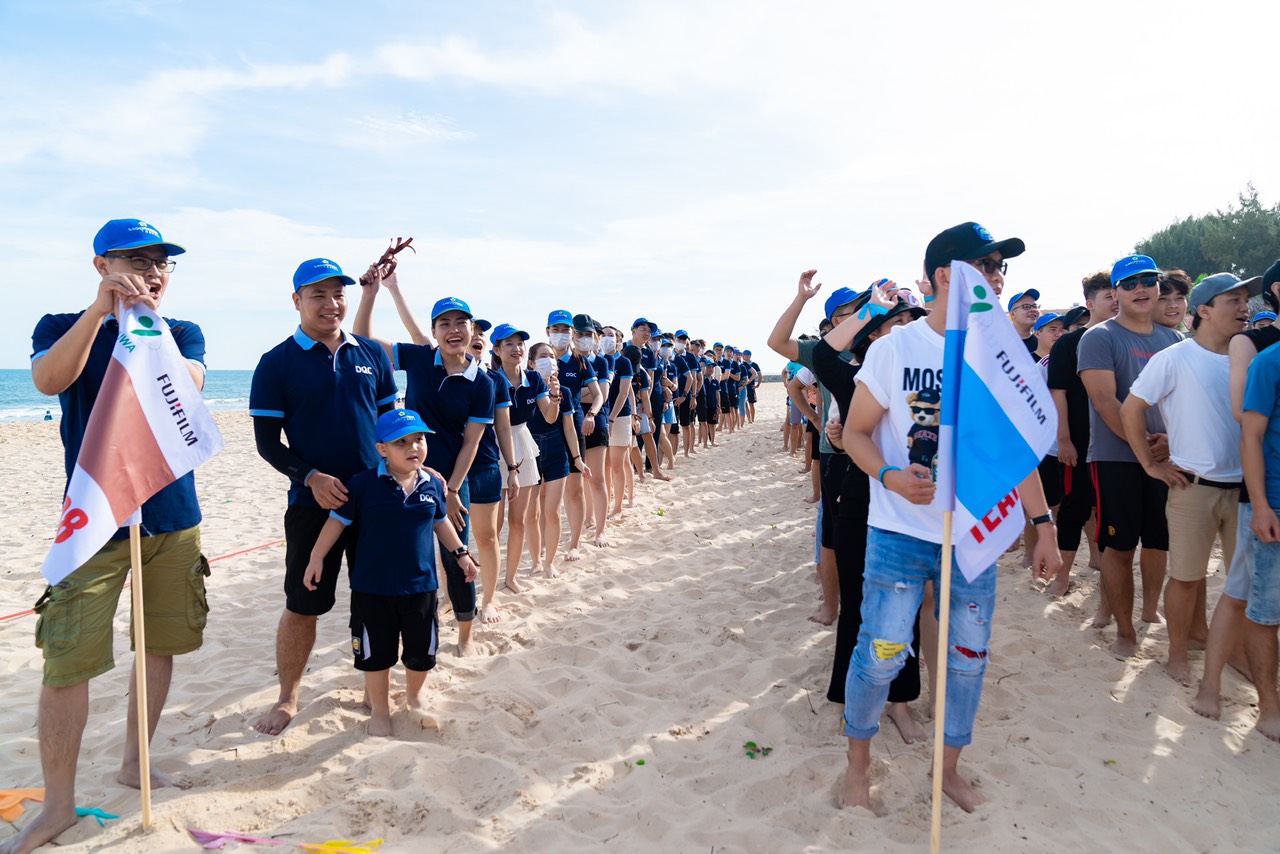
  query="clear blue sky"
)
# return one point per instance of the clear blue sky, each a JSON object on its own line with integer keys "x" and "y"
{"x": 678, "y": 160}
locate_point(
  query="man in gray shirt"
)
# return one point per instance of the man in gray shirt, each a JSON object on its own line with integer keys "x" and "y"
{"x": 1131, "y": 503}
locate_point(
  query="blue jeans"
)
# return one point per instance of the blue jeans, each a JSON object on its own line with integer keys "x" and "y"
{"x": 893, "y": 588}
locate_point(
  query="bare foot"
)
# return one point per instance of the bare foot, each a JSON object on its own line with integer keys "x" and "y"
{"x": 1180, "y": 672}
{"x": 129, "y": 776}
{"x": 856, "y": 789}
{"x": 466, "y": 649}
{"x": 1124, "y": 648}
{"x": 1206, "y": 703}
{"x": 489, "y": 613}
{"x": 658, "y": 475}
{"x": 1101, "y": 620}
{"x": 958, "y": 789}
{"x": 826, "y": 615}
{"x": 423, "y": 719}
{"x": 276, "y": 719}
{"x": 602, "y": 542}
{"x": 572, "y": 555}
{"x": 44, "y": 828}
{"x": 1061, "y": 584}
{"x": 1269, "y": 726}
{"x": 814, "y": 500}
{"x": 910, "y": 731}
{"x": 1197, "y": 643}
{"x": 550, "y": 571}
{"x": 513, "y": 584}
{"x": 1152, "y": 618}
{"x": 380, "y": 724}
{"x": 1095, "y": 565}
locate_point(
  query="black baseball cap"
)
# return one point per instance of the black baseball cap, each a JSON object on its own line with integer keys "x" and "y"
{"x": 586, "y": 323}
{"x": 965, "y": 242}
{"x": 1072, "y": 317}
{"x": 861, "y": 340}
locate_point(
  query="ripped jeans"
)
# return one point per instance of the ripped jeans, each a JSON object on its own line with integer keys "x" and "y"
{"x": 893, "y": 587}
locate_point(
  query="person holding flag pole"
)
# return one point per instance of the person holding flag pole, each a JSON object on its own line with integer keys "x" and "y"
{"x": 995, "y": 407}
{"x": 133, "y": 428}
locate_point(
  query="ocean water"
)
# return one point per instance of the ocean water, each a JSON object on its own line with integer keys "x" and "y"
{"x": 223, "y": 390}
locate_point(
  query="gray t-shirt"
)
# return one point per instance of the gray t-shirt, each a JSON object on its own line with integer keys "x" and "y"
{"x": 805, "y": 357}
{"x": 1110, "y": 347}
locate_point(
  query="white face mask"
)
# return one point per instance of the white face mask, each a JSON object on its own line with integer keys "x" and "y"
{"x": 559, "y": 340}
{"x": 584, "y": 344}
{"x": 666, "y": 352}
{"x": 679, "y": 347}
{"x": 546, "y": 366}
{"x": 608, "y": 345}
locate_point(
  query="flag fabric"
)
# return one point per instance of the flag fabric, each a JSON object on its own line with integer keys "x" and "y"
{"x": 998, "y": 421}
{"x": 149, "y": 427}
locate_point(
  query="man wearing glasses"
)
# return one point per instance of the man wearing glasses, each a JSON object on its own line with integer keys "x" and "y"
{"x": 1131, "y": 503}
{"x": 1024, "y": 311}
{"x": 70, "y": 356}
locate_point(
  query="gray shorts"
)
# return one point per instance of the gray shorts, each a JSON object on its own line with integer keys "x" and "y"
{"x": 1237, "y": 586}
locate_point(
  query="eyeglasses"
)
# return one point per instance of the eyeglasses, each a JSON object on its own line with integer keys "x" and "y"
{"x": 1029, "y": 306}
{"x": 142, "y": 263}
{"x": 990, "y": 265}
{"x": 1148, "y": 280}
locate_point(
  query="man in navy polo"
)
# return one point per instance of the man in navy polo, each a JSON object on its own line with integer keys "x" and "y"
{"x": 324, "y": 388}
{"x": 70, "y": 355}
{"x": 642, "y": 331}
{"x": 753, "y": 384}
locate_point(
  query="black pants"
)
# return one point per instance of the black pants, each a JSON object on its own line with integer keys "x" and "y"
{"x": 850, "y": 537}
{"x": 1076, "y": 507}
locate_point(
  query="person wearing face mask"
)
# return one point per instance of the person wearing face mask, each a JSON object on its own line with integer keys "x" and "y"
{"x": 621, "y": 410}
{"x": 595, "y": 494}
{"x": 454, "y": 395}
{"x": 557, "y": 440}
{"x": 576, "y": 377}
{"x": 530, "y": 394}
{"x": 686, "y": 409}
{"x": 644, "y": 358}
{"x": 670, "y": 424}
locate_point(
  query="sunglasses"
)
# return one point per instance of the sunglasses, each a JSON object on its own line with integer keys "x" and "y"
{"x": 1148, "y": 280}
{"x": 990, "y": 265}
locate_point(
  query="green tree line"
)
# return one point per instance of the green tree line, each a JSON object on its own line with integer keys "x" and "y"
{"x": 1243, "y": 239}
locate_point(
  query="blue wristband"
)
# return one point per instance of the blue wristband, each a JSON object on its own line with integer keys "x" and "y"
{"x": 883, "y": 471}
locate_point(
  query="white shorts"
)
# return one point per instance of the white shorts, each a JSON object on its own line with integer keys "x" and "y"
{"x": 620, "y": 432}
{"x": 526, "y": 449}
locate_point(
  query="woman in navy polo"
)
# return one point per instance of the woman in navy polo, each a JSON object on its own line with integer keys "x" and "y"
{"x": 557, "y": 441}
{"x": 587, "y": 334}
{"x": 620, "y": 423}
{"x": 576, "y": 374}
{"x": 454, "y": 395}
{"x": 529, "y": 394}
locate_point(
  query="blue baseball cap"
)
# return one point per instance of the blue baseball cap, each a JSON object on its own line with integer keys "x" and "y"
{"x": 746, "y": 352}
{"x": 1264, "y": 315}
{"x": 400, "y": 422}
{"x": 1132, "y": 266}
{"x": 317, "y": 270}
{"x": 653, "y": 327}
{"x": 717, "y": 344}
{"x": 680, "y": 333}
{"x": 559, "y": 316}
{"x": 1029, "y": 292}
{"x": 482, "y": 325}
{"x": 130, "y": 234}
{"x": 839, "y": 297}
{"x": 1044, "y": 320}
{"x": 503, "y": 331}
{"x": 449, "y": 304}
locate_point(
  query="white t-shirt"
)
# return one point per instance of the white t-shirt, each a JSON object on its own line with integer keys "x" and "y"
{"x": 805, "y": 376}
{"x": 903, "y": 372}
{"x": 1192, "y": 388}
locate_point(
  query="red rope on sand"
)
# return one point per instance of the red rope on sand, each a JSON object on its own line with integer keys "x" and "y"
{"x": 126, "y": 584}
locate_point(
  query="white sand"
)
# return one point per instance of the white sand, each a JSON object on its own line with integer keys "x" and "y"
{"x": 676, "y": 647}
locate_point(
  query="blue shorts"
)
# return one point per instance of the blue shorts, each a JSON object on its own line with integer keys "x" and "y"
{"x": 742, "y": 401}
{"x": 794, "y": 416}
{"x": 669, "y": 414}
{"x": 485, "y": 482}
{"x": 1264, "y": 582}
{"x": 553, "y": 456}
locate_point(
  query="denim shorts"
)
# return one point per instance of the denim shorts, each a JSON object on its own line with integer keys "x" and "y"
{"x": 553, "y": 455}
{"x": 1264, "y": 582}
{"x": 485, "y": 482}
{"x": 1237, "y": 585}
{"x": 897, "y": 568}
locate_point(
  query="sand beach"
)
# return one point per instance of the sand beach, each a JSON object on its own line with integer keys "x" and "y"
{"x": 609, "y": 708}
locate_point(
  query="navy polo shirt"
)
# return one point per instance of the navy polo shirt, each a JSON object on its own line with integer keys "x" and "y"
{"x": 525, "y": 396}
{"x": 621, "y": 371}
{"x": 329, "y": 402}
{"x": 603, "y": 366}
{"x": 540, "y": 425}
{"x": 395, "y": 540}
{"x": 648, "y": 358}
{"x": 575, "y": 373}
{"x": 488, "y": 450}
{"x": 173, "y": 508}
{"x": 755, "y": 367}
{"x": 447, "y": 402}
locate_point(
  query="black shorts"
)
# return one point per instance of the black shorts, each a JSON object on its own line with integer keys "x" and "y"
{"x": 380, "y": 623}
{"x": 673, "y": 429}
{"x": 302, "y": 524}
{"x": 751, "y": 394}
{"x": 700, "y": 410}
{"x": 713, "y": 414}
{"x": 1130, "y": 507}
{"x": 1051, "y": 479}
{"x": 599, "y": 438}
{"x": 727, "y": 401}
{"x": 684, "y": 413}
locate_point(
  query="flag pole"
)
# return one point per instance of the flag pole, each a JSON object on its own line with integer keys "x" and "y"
{"x": 140, "y": 672}
{"x": 940, "y": 681}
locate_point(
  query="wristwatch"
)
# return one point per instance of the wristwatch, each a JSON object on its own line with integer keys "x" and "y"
{"x": 460, "y": 551}
{"x": 1040, "y": 520}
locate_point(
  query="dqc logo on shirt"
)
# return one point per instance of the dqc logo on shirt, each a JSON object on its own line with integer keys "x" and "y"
{"x": 364, "y": 369}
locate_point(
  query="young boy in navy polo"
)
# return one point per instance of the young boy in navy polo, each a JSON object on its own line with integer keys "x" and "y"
{"x": 398, "y": 506}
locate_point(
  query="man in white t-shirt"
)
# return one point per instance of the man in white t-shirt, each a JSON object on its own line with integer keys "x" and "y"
{"x": 892, "y": 436}
{"x": 1190, "y": 383}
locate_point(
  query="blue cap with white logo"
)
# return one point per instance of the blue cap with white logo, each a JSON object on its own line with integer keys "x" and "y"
{"x": 130, "y": 234}
{"x": 1029, "y": 292}
{"x": 503, "y": 331}
{"x": 317, "y": 270}
{"x": 400, "y": 422}
{"x": 1133, "y": 265}
{"x": 839, "y": 297}
{"x": 1044, "y": 320}
{"x": 559, "y": 316}
{"x": 449, "y": 304}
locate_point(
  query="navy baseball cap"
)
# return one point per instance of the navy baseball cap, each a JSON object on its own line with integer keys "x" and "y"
{"x": 1220, "y": 283}
{"x": 400, "y": 422}
{"x": 503, "y": 331}
{"x": 746, "y": 352}
{"x": 1133, "y": 265}
{"x": 717, "y": 344}
{"x": 559, "y": 316}
{"x": 967, "y": 241}
{"x": 130, "y": 234}
{"x": 839, "y": 297}
{"x": 449, "y": 304}
{"x": 1029, "y": 292}
{"x": 1045, "y": 319}
{"x": 317, "y": 270}
{"x": 482, "y": 325}
{"x": 586, "y": 323}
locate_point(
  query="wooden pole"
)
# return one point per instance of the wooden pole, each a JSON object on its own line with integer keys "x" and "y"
{"x": 940, "y": 700}
{"x": 140, "y": 671}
